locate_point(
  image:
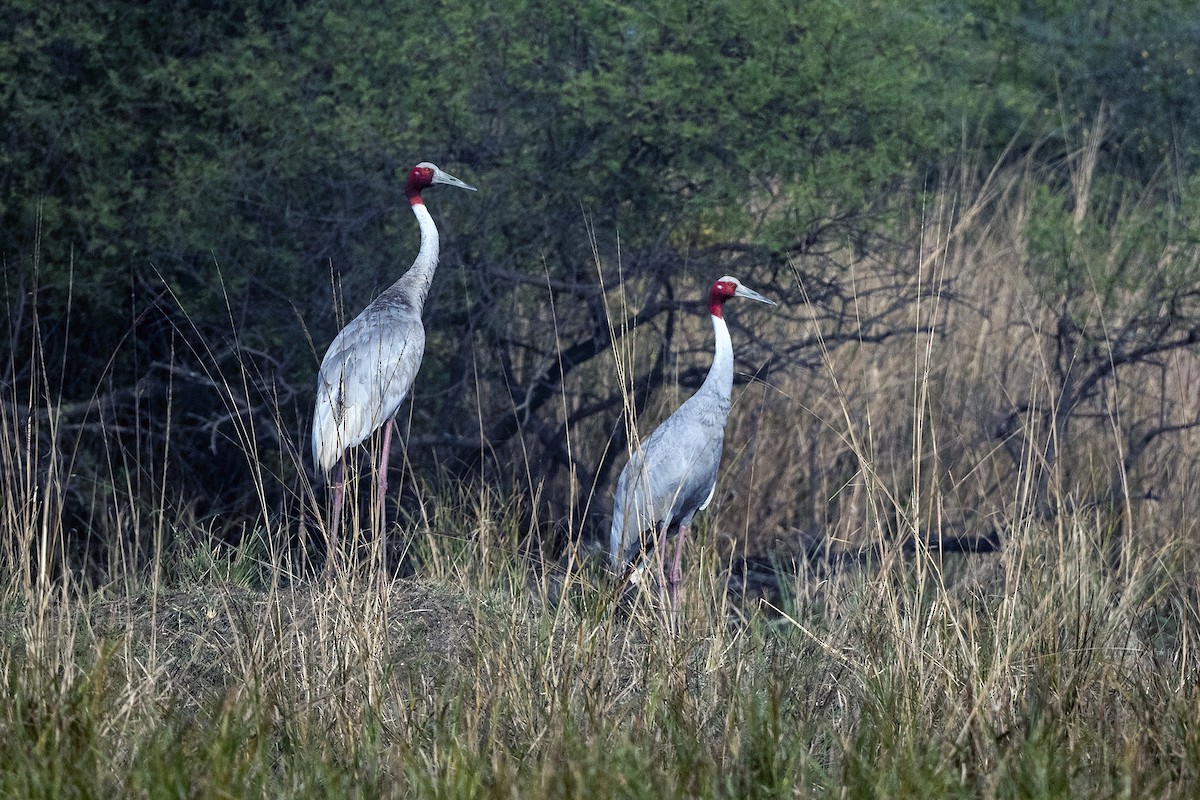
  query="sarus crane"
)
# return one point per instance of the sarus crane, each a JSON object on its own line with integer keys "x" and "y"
{"x": 673, "y": 473}
{"x": 369, "y": 368}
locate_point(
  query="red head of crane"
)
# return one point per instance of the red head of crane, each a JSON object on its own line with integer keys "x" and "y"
{"x": 370, "y": 366}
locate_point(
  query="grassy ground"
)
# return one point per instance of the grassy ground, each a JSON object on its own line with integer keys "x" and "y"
{"x": 1040, "y": 671}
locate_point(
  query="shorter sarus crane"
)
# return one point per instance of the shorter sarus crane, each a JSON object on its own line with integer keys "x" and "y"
{"x": 369, "y": 368}
{"x": 673, "y": 474}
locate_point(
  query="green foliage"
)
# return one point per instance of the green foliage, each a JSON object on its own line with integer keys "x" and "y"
{"x": 694, "y": 120}
{"x": 1056, "y": 64}
{"x": 269, "y": 139}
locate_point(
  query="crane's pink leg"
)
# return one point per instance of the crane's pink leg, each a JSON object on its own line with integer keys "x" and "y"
{"x": 335, "y": 532}
{"x": 381, "y": 479}
{"x": 676, "y": 575}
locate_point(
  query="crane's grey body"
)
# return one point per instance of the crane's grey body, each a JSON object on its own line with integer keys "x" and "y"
{"x": 366, "y": 373}
{"x": 370, "y": 366}
{"x": 673, "y": 473}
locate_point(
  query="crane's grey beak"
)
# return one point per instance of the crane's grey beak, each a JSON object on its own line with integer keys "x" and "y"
{"x": 742, "y": 291}
{"x": 440, "y": 176}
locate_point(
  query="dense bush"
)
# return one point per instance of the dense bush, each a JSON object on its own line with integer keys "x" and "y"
{"x": 193, "y": 198}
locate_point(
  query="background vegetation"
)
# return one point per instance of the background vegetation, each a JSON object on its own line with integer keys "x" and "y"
{"x": 193, "y": 201}
{"x": 980, "y": 220}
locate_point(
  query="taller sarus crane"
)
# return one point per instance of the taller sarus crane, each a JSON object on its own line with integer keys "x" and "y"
{"x": 369, "y": 368}
{"x": 673, "y": 474}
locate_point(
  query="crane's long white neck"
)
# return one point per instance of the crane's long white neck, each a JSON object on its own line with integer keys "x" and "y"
{"x": 414, "y": 284}
{"x": 719, "y": 382}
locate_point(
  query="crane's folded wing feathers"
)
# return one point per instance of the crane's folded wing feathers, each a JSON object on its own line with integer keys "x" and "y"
{"x": 364, "y": 377}
{"x": 665, "y": 482}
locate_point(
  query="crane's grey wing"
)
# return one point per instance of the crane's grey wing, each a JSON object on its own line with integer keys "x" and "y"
{"x": 670, "y": 477}
{"x": 683, "y": 456}
{"x": 364, "y": 378}
{"x": 629, "y": 518}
